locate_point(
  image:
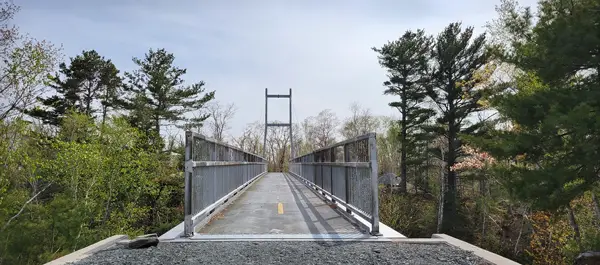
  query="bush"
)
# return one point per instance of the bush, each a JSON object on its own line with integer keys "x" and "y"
{"x": 410, "y": 214}
{"x": 59, "y": 194}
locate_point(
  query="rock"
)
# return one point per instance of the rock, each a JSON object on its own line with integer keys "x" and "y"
{"x": 588, "y": 258}
{"x": 148, "y": 235}
{"x": 143, "y": 241}
{"x": 124, "y": 243}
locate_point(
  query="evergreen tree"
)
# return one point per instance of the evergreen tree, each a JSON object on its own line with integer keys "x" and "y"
{"x": 157, "y": 94}
{"x": 553, "y": 104}
{"x": 457, "y": 60}
{"x": 89, "y": 79}
{"x": 406, "y": 61}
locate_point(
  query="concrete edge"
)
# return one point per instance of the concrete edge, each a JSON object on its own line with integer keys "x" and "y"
{"x": 432, "y": 241}
{"x": 482, "y": 253}
{"x": 176, "y": 232}
{"x": 88, "y": 251}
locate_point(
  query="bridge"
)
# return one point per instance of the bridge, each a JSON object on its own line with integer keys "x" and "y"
{"x": 324, "y": 209}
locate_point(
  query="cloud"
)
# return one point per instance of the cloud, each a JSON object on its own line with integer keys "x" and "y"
{"x": 320, "y": 49}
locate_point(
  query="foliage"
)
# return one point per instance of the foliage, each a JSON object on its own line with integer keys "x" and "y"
{"x": 548, "y": 239}
{"x": 387, "y": 149}
{"x": 473, "y": 160}
{"x": 456, "y": 88}
{"x": 554, "y": 107}
{"x": 64, "y": 193}
{"x": 418, "y": 219}
{"x": 406, "y": 61}
{"x": 157, "y": 93}
{"x": 24, "y": 73}
{"x": 88, "y": 79}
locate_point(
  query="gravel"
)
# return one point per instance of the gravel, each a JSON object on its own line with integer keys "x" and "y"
{"x": 286, "y": 252}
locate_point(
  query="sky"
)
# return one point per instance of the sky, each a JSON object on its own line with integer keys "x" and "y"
{"x": 320, "y": 49}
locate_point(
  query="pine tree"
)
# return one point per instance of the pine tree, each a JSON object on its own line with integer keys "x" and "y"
{"x": 157, "y": 94}
{"x": 406, "y": 61}
{"x": 553, "y": 104}
{"x": 457, "y": 60}
{"x": 89, "y": 79}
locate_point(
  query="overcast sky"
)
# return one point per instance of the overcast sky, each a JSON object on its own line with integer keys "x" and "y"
{"x": 320, "y": 49}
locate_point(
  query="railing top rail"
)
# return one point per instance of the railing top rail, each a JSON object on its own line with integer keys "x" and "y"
{"x": 211, "y": 140}
{"x": 338, "y": 144}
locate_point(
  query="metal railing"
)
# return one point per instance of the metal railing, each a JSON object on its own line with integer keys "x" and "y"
{"x": 214, "y": 172}
{"x": 346, "y": 172}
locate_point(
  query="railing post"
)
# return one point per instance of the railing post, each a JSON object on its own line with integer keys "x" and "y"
{"x": 347, "y": 177}
{"x": 374, "y": 185}
{"x": 188, "y": 228}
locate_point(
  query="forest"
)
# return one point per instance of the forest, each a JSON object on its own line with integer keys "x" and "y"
{"x": 496, "y": 140}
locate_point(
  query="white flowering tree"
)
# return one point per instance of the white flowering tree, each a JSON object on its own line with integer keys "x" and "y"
{"x": 476, "y": 164}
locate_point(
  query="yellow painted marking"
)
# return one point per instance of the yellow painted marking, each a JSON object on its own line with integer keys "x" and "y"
{"x": 280, "y": 208}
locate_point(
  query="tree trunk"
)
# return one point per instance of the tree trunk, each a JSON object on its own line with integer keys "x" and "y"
{"x": 416, "y": 181}
{"x": 575, "y": 226}
{"x": 442, "y": 191}
{"x": 596, "y": 208}
{"x": 482, "y": 189}
{"x": 426, "y": 177}
{"x": 450, "y": 207}
{"x": 403, "y": 166}
{"x": 104, "y": 111}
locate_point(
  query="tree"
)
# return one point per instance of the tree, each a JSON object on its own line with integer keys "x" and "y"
{"x": 321, "y": 129}
{"x": 88, "y": 79}
{"x": 220, "y": 116}
{"x": 78, "y": 192}
{"x": 552, "y": 105}
{"x": 406, "y": 61}
{"x": 387, "y": 147}
{"x": 157, "y": 93}
{"x": 359, "y": 123}
{"x": 278, "y": 145}
{"x": 8, "y": 33}
{"x": 26, "y": 64}
{"x": 251, "y": 138}
{"x": 457, "y": 75}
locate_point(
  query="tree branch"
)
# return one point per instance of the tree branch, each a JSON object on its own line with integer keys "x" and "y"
{"x": 23, "y": 207}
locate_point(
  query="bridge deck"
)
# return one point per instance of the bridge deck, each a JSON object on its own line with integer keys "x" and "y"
{"x": 279, "y": 204}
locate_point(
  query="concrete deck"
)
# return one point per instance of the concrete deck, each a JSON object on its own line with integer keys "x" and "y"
{"x": 279, "y": 204}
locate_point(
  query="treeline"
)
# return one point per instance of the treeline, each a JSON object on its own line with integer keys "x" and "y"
{"x": 81, "y": 152}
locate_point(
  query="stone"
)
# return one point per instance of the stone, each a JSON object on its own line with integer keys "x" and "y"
{"x": 143, "y": 241}
{"x": 588, "y": 258}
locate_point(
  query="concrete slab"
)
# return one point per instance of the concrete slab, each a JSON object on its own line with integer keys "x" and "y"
{"x": 88, "y": 251}
{"x": 487, "y": 255}
{"x": 279, "y": 204}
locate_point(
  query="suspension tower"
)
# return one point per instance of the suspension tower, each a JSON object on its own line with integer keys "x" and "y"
{"x": 267, "y": 124}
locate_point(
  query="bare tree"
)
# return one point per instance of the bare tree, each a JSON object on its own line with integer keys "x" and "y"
{"x": 220, "y": 116}
{"x": 251, "y": 138}
{"x": 388, "y": 145}
{"x": 321, "y": 129}
{"x": 359, "y": 123}
{"x": 278, "y": 148}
